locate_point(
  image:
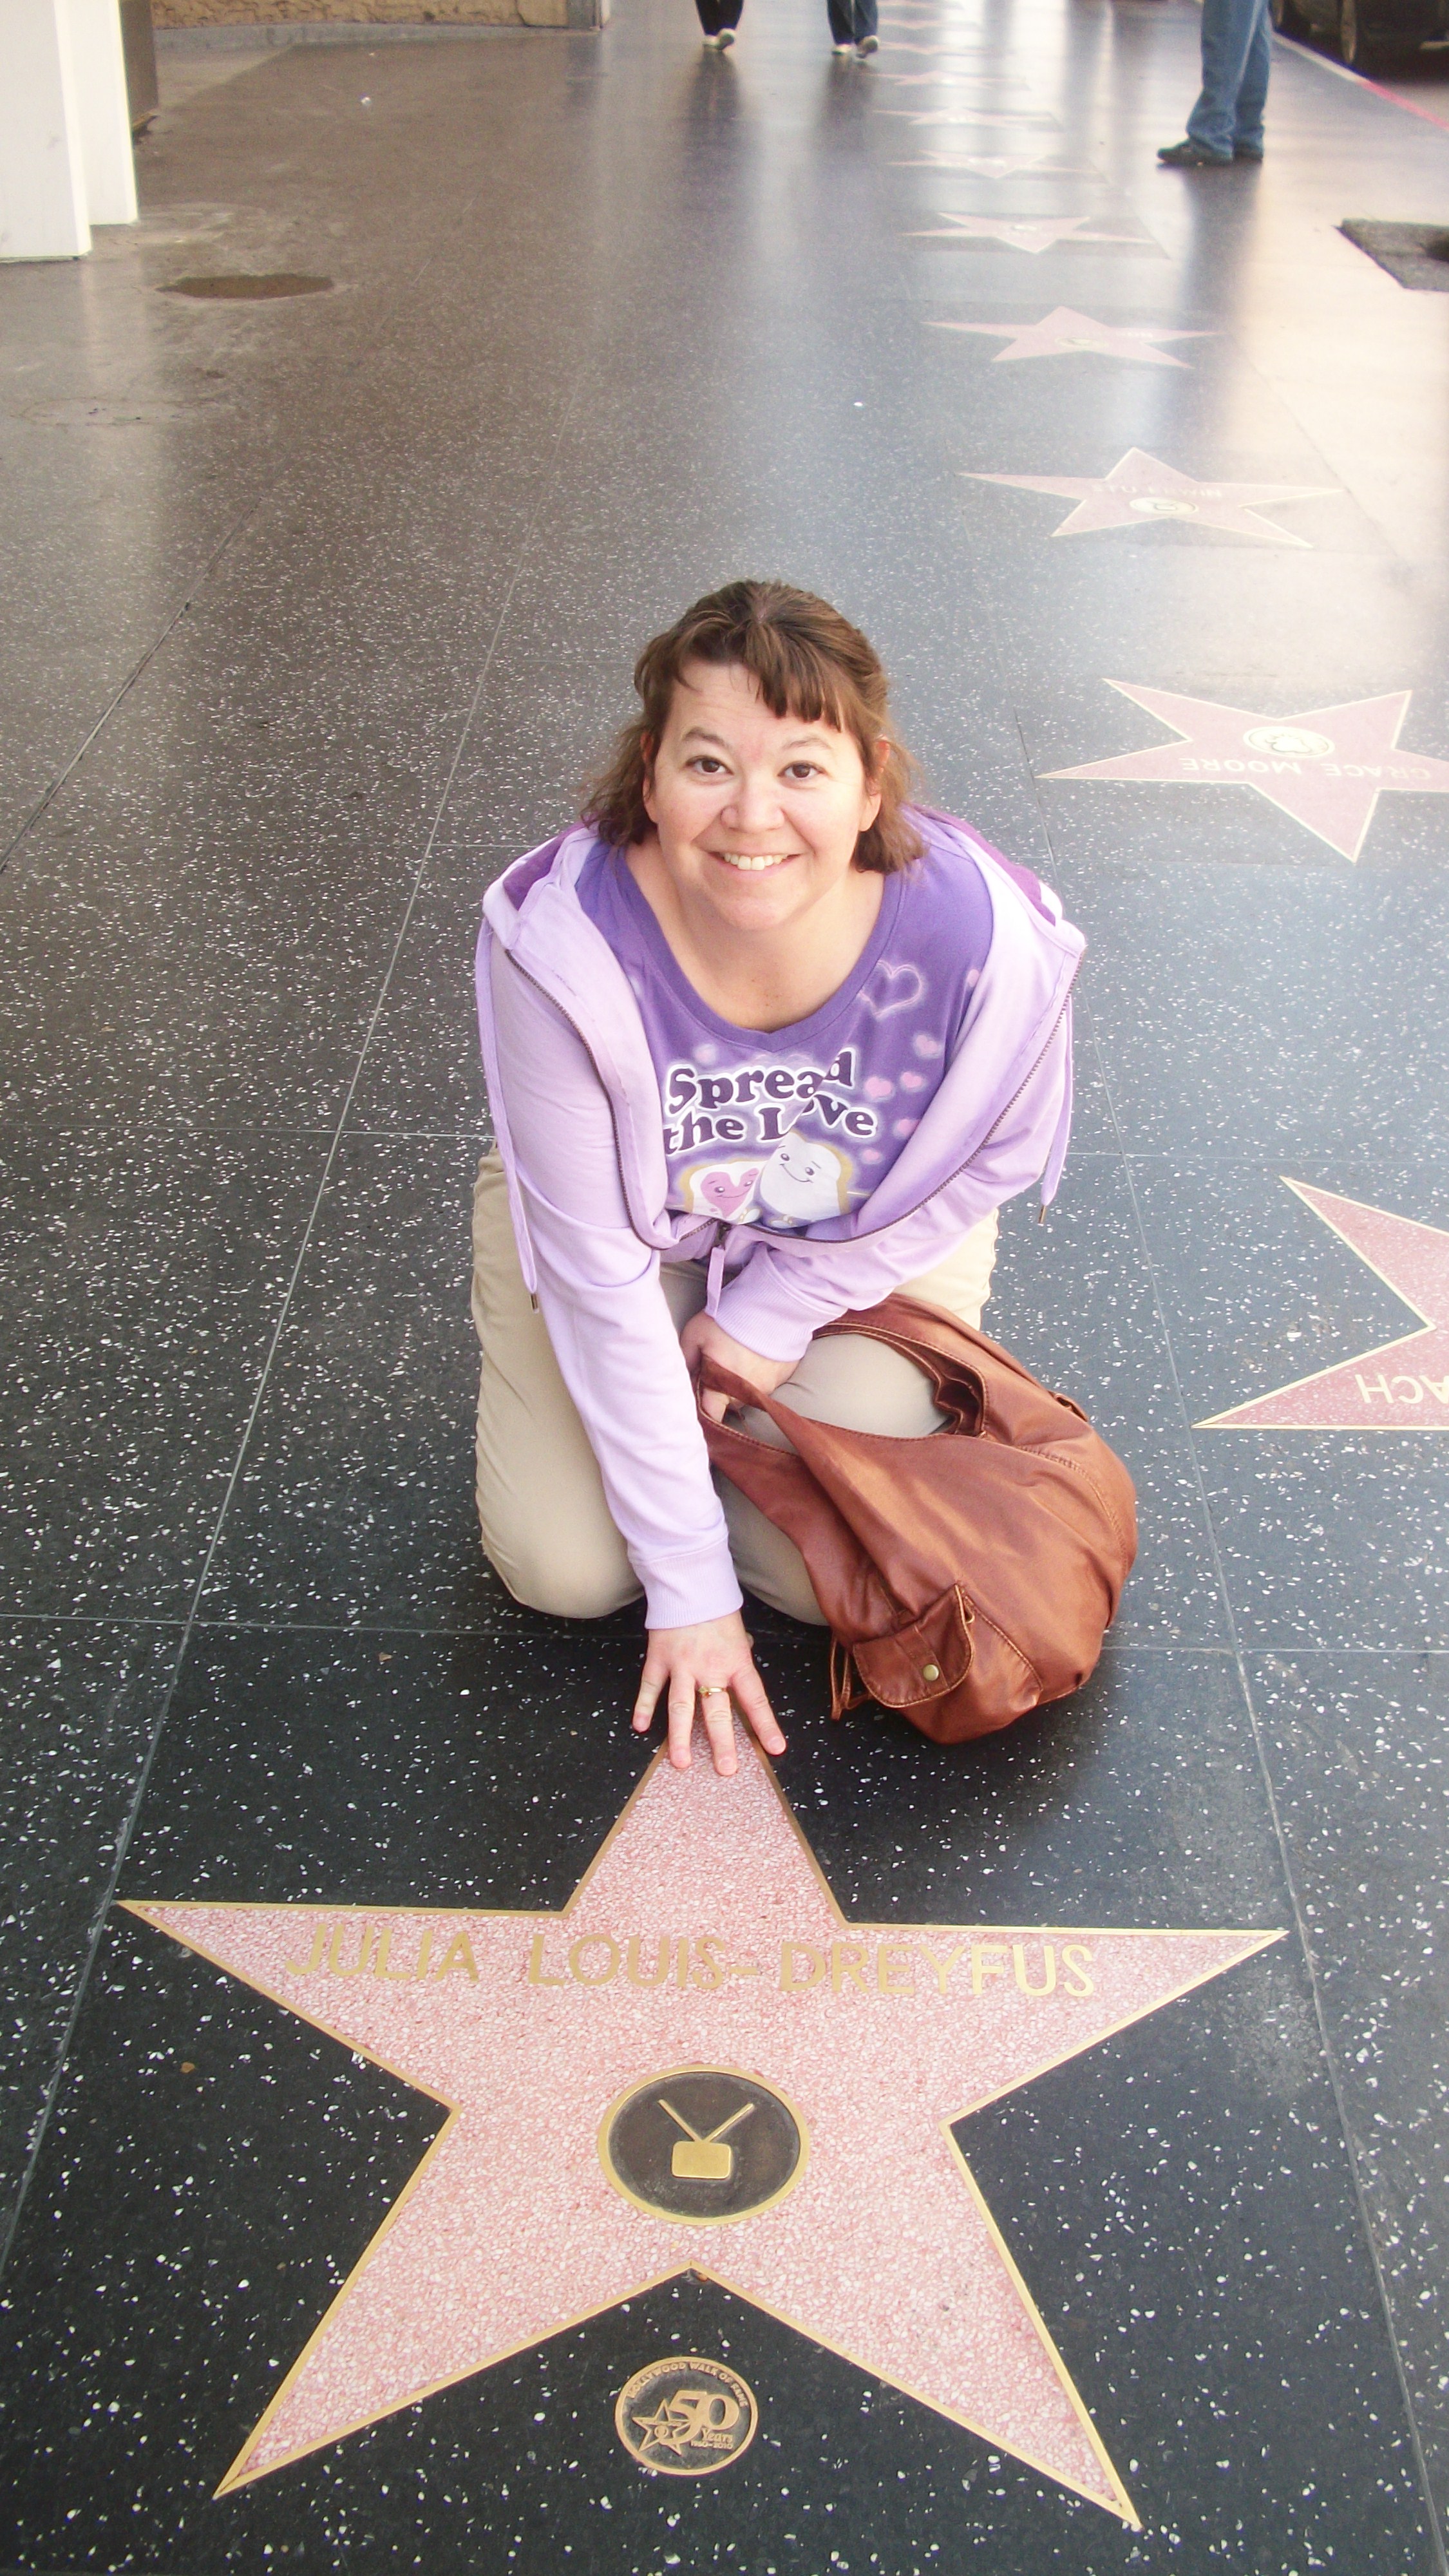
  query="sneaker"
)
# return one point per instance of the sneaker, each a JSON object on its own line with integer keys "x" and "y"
{"x": 1191, "y": 156}
{"x": 1247, "y": 152}
{"x": 721, "y": 43}
{"x": 867, "y": 46}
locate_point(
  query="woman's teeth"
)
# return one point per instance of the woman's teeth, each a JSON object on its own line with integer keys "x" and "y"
{"x": 742, "y": 859}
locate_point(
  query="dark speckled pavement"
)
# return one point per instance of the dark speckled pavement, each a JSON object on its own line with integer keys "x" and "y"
{"x": 316, "y": 611}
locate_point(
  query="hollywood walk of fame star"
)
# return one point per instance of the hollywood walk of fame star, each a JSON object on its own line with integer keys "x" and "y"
{"x": 972, "y": 116}
{"x": 1035, "y": 234}
{"x": 993, "y": 165}
{"x": 1327, "y": 767}
{"x": 1063, "y": 334}
{"x": 954, "y": 80}
{"x": 702, "y": 1937}
{"x": 1401, "y": 1385}
{"x": 1141, "y": 488}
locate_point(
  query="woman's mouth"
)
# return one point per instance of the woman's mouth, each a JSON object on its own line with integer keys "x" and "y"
{"x": 753, "y": 861}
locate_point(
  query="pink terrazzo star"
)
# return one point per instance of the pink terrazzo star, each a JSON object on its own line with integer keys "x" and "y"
{"x": 993, "y": 165}
{"x": 1401, "y": 1385}
{"x": 973, "y": 116}
{"x": 1140, "y": 488}
{"x": 954, "y": 80}
{"x": 1065, "y": 334}
{"x": 531, "y": 2026}
{"x": 1035, "y": 235}
{"x": 1327, "y": 768}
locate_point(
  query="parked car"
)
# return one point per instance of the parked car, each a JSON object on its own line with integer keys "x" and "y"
{"x": 1368, "y": 32}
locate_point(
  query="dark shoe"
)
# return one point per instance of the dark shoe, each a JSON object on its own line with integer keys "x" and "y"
{"x": 1247, "y": 152}
{"x": 1191, "y": 156}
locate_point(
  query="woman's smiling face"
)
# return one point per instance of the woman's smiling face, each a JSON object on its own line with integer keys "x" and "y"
{"x": 757, "y": 814}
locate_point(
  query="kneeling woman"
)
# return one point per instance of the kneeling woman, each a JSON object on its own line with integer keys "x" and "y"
{"x": 764, "y": 1042}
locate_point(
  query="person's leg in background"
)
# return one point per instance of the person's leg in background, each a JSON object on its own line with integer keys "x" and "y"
{"x": 1230, "y": 30}
{"x": 867, "y": 40}
{"x": 1253, "y": 91}
{"x": 719, "y": 19}
{"x": 863, "y": 1387}
{"x": 841, "y": 14}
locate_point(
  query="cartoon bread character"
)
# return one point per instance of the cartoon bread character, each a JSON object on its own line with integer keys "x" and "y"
{"x": 803, "y": 1181}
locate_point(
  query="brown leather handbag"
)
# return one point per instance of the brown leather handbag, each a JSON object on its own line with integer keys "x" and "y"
{"x": 966, "y": 1577}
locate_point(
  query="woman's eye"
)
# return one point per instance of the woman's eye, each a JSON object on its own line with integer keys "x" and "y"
{"x": 708, "y": 768}
{"x": 802, "y": 769}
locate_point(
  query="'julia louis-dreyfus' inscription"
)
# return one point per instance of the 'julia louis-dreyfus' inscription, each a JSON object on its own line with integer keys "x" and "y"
{"x": 402, "y": 1952}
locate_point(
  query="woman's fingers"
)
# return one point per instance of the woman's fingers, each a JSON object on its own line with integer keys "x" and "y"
{"x": 651, "y": 1683}
{"x": 719, "y": 1726}
{"x": 707, "y": 1670}
{"x": 755, "y": 1708}
{"x": 681, "y": 1716}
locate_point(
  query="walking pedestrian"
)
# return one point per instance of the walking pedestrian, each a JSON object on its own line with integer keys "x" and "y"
{"x": 719, "y": 19}
{"x": 853, "y": 28}
{"x": 1226, "y": 125}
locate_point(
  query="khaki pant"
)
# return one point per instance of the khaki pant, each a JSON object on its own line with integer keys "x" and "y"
{"x": 545, "y": 1523}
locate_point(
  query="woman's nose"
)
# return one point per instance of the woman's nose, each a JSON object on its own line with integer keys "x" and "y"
{"x": 755, "y": 804}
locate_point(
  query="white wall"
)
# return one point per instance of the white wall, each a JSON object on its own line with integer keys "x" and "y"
{"x": 98, "y": 65}
{"x": 65, "y": 127}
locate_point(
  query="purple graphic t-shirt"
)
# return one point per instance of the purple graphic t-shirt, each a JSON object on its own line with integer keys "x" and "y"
{"x": 786, "y": 1127}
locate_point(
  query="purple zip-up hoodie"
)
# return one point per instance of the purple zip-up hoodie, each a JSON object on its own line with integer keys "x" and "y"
{"x": 580, "y": 1126}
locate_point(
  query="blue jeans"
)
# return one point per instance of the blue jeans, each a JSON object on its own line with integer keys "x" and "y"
{"x": 1237, "y": 48}
{"x": 850, "y": 20}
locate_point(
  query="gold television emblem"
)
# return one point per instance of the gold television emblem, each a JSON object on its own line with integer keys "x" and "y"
{"x": 703, "y": 2146}
{"x": 701, "y": 2159}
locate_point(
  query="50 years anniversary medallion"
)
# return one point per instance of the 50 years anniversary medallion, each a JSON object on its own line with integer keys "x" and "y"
{"x": 686, "y": 2417}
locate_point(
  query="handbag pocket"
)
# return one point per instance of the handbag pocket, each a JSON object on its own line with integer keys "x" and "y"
{"x": 922, "y": 1661}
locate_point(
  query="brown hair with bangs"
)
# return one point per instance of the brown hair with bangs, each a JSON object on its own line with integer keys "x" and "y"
{"x": 806, "y": 660}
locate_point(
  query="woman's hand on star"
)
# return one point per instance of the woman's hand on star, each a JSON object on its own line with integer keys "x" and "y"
{"x": 704, "y": 1339}
{"x": 709, "y": 1663}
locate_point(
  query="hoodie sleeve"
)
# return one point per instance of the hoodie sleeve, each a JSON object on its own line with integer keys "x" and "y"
{"x": 600, "y": 1296}
{"x": 780, "y": 1296}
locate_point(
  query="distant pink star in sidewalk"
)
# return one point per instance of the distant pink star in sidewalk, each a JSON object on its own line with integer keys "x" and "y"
{"x": 954, "y": 80}
{"x": 1327, "y": 767}
{"x": 1401, "y": 1385}
{"x": 1063, "y": 334}
{"x": 535, "y": 2030}
{"x": 972, "y": 116}
{"x": 1141, "y": 488}
{"x": 1036, "y": 235}
{"x": 993, "y": 165}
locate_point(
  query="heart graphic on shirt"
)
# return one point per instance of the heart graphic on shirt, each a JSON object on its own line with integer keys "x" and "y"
{"x": 723, "y": 1192}
{"x": 893, "y": 988}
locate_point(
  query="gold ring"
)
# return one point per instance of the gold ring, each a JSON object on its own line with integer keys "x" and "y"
{"x": 713, "y": 1690}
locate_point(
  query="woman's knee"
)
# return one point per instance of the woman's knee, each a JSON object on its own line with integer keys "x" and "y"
{"x": 563, "y": 1584}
